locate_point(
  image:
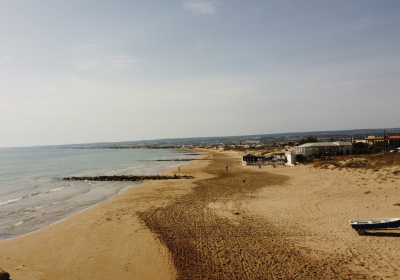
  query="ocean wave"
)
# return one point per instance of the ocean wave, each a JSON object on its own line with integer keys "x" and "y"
{"x": 18, "y": 223}
{"x": 41, "y": 206}
{"x": 17, "y": 199}
{"x": 56, "y": 190}
{"x": 10, "y": 201}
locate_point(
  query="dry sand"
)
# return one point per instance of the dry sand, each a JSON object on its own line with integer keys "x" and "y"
{"x": 244, "y": 223}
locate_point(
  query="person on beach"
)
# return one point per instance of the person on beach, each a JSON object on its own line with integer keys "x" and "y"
{"x": 226, "y": 168}
{"x": 179, "y": 169}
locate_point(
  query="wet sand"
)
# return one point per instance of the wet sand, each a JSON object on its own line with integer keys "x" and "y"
{"x": 244, "y": 223}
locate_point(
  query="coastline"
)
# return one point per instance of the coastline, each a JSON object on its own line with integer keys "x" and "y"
{"x": 246, "y": 222}
{"x": 33, "y": 255}
{"x": 32, "y": 196}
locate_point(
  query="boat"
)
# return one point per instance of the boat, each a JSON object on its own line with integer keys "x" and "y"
{"x": 375, "y": 224}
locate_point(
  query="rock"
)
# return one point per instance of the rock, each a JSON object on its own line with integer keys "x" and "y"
{"x": 4, "y": 275}
{"x": 128, "y": 178}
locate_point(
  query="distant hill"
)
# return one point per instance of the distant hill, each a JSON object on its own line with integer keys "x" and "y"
{"x": 174, "y": 141}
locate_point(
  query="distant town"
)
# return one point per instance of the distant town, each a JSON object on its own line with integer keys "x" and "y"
{"x": 244, "y": 142}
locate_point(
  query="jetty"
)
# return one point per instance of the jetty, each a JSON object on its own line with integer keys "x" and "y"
{"x": 128, "y": 178}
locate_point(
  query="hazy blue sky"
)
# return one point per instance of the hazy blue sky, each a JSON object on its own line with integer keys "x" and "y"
{"x": 91, "y": 71}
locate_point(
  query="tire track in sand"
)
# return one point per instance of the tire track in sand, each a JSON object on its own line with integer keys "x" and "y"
{"x": 205, "y": 245}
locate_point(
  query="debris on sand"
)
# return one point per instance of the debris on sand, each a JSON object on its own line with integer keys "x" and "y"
{"x": 4, "y": 275}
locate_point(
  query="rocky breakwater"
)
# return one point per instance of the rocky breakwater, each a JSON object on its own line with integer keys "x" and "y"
{"x": 128, "y": 178}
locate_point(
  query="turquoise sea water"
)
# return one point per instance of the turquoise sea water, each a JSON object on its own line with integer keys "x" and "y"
{"x": 32, "y": 196}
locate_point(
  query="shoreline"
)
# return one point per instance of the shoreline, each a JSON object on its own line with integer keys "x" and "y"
{"x": 284, "y": 222}
{"x": 30, "y": 255}
{"x": 83, "y": 195}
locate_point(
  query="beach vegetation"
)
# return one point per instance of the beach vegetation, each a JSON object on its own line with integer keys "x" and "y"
{"x": 365, "y": 148}
{"x": 300, "y": 158}
{"x": 367, "y": 192}
{"x": 309, "y": 139}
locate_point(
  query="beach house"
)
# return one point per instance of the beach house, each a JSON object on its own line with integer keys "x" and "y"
{"x": 251, "y": 159}
{"x": 391, "y": 141}
{"x": 310, "y": 149}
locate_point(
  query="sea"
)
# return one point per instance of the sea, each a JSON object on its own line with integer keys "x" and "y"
{"x": 32, "y": 196}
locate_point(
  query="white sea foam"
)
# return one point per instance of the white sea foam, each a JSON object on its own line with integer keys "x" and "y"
{"x": 10, "y": 201}
{"x": 41, "y": 206}
{"x": 56, "y": 190}
{"x": 18, "y": 223}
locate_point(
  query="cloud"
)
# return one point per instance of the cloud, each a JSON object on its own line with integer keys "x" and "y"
{"x": 199, "y": 7}
{"x": 6, "y": 57}
{"x": 120, "y": 61}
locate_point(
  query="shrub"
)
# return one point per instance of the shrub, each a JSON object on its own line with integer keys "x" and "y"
{"x": 300, "y": 158}
{"x": 310, "y": 139}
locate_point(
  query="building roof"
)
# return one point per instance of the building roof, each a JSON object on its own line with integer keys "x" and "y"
{"x": 393, "y": 137}
{"x": 325, "y": 144}
{"x": 249, "y": 155}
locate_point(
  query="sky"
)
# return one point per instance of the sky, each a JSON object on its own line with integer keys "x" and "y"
{"x": 105, "y": 71}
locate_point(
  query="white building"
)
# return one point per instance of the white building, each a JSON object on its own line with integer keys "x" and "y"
{"x": 309, "y": 149}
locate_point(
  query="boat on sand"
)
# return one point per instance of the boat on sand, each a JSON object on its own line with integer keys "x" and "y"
{"x": 375, "y": 224}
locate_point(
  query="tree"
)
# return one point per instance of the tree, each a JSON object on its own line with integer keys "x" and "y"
{"x": 309, "y": 139}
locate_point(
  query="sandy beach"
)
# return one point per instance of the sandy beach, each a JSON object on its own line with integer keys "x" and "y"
{"x": 244, "y": 223}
